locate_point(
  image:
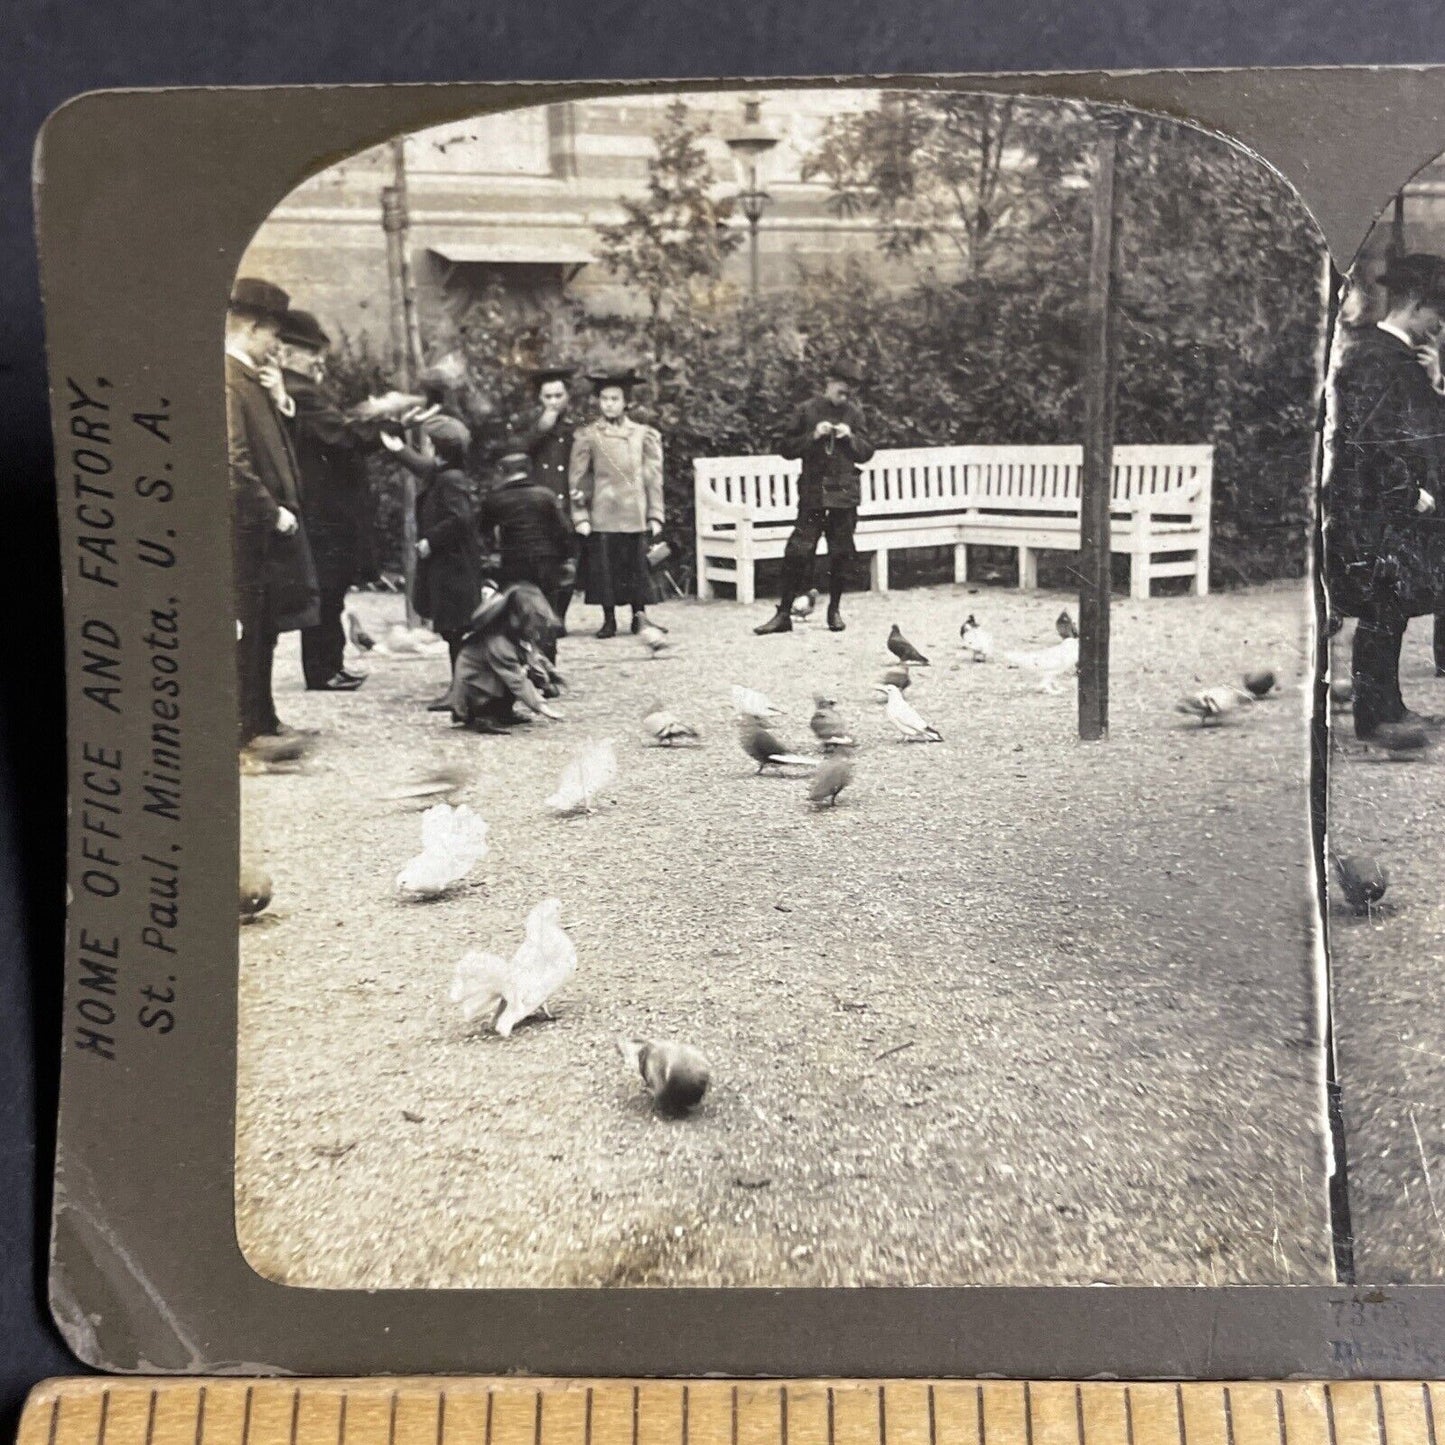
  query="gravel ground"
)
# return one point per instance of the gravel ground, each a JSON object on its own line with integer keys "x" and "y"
{"x": 1389, "y": 1029}
{"x": 1020, "y": 1010}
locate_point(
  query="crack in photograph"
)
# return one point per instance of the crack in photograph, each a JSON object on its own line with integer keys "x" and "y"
{"x": 776, "y": 643}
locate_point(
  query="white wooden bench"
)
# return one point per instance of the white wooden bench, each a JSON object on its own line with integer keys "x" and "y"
{"x": 1021, "y": 497}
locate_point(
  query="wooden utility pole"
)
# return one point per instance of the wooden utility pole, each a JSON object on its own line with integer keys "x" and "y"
{"x": 405, "y": 338}
{"x": 1096, "y": 484}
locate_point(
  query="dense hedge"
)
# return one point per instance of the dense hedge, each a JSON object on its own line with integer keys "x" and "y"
{"x": 1218, "y": 310}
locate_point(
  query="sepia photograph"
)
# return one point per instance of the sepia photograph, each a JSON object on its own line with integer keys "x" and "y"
{"x": 776, "y": 657}
{"x": 1384, "y": 555}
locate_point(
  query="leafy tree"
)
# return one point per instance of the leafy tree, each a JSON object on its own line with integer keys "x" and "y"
{"x": 676, "y": 236}
{"x": 968, "y": 171}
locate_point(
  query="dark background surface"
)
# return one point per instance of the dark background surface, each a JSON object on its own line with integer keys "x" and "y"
{"x": 53, "y": 50}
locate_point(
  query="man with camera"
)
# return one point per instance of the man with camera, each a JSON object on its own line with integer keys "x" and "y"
{"x": 826, "y": 432}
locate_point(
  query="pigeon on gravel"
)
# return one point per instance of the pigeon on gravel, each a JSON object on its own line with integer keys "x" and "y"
{"x": 653, "y": 638}
{"x": 1260, "y": 682}
{"x": 1064, "y": 625}
{"x": 1214, "y": 704}
{"x": 255, "y": 891}
{"x": 977, "y": 642}
{"x": 356, "y": 634}
{"x": 749, "y": 702}
{"x": 906, "y": 718}
{"x": 903, "y": 649}
{"x": 276, "y": 753}
{"x": 676, "y": 1075}
{"x": 1363, "y": 880}
{"x": 511, "y": 990}
{"x": 899, "y": 677}
{"x": 453, "y": 842}
{"x": 832, "y": 777}
{"x": 441, "y": 784}
{"x": 803, "y": 607}
{"x": 665, "y": 728}
{"x": 1048, "y": 664}
{"x": 765, "y": 749}
{"x": 587, "y": 775}
{"x": 827, "y": 724}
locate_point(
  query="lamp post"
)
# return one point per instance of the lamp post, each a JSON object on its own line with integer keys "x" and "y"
{"x": 749, "y": 145}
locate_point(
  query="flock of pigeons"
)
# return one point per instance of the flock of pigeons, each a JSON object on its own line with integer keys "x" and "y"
{"x": 506, "y": 991}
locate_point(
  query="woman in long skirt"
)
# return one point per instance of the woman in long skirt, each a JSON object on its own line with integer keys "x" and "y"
{"x": 616, "y": 484}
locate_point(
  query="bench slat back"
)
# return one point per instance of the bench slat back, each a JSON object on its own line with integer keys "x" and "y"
{"x": 950, "y": 479}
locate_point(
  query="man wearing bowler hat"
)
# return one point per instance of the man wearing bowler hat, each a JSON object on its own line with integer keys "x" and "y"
{"x": 275, "y": 578}
{"x": 827, "y": 433}
{"x": 330, "y": 452}
{"x": 548, "y": 442}
{"x": 1383, "y": 533}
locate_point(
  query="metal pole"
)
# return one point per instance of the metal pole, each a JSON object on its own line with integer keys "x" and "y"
{"x": 411, "y": 329}
{"x": 1097, "y": 480}
{"x": 403, "y": 346}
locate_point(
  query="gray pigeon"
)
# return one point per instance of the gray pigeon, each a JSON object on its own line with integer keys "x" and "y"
{"x": 765, "y": 749}
{"x": 1363, "y": 880}
{"x": 903, "y": 649}
{"x": 676, "y": 1075}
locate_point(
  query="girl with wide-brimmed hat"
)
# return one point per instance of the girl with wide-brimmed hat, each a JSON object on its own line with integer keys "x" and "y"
{"x": 501, "y": 661}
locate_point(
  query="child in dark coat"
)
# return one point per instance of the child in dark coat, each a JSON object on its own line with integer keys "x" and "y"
{"x": 501, "y": 661}
{"x": 448, "y": 558}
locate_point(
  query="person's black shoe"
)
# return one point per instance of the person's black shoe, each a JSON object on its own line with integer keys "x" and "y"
{"x": 488, "y": 725}
{"x": 1400, "y": 739}
{"x": 440, "y": 704}
{"x": 357, "y": 677}
{"x": 608, "y": 629}
{"x": 340, "y": 682}
{"x": 835, "y": 618}
{"x": 780, "y": 621}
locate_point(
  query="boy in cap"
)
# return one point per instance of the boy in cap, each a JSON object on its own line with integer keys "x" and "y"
{"x": 615, "y": 478}
{"x": 548, "y": 441}
{"x": 534, "y": 534}
{"x": 275, "y": 579}
{"x": 826, "y": 432}
{"x": 330, "y": 452}
{"x": 1384, "y": 538}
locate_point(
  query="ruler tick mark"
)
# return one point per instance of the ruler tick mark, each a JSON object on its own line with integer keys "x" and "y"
{"x": 982, "y": 1424}
{"x": 341, "y": 1421}
{"x": 487, "y": 1429}
{"x": 1429, "y": 1413}
{"x": 150, "y": 1419}
{"x": 686, "y": 1411}
{"x": 783, "y": 1413}
{"x": 932, "y": 1419}
{"x": 391, "y": 1420}
{"x": 1128, "y": 1418}
{"x": 295, "y": 1412}
{"x": 104, "y": 1417}
{"x": 201, "y": 1416}
{"x": 1330, "y": 1414}
{"x": 586, "y": 1417}
{"x": 1228, "y": 1417}
{"x": 636, "y": 1410}
{"x": 536, "y": 1423}
{"x": 830, "y": 1416}
{"x": 1179, "y": 1413}
{"x": 735, "y": 1418}
{"x": 1079, "y": 1413}
{"x": 1279, "y": 1417}
{"x": 246, "y": 1416}
{"x": 1028, "y": 1415}
{"x": 882, "y": 1417}
{"x": 1380, "y": 1414}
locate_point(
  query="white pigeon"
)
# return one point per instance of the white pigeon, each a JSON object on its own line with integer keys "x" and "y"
{"x": 907, "y": 719}
{"x": 751, "y": 703}
{"x": 977, "y": 641}
{"x": 665, "y": 728}
{"x": 403, "y": 641}
{"x": 587, "y": 775}
{"x": 1214, "y": 704}
{"x": 653, "y": 639}
{"x": 514, "y": 989}
{"x": 453, "y": 842}
{"x": 1049, "y": 664}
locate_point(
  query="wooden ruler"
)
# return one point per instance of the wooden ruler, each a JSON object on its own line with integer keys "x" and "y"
{"x": 462, "y": 1411}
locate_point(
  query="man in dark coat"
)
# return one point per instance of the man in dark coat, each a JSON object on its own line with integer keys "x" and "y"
{"x": 1384, "y": 537}
{"x": 447, "y": 586}
{"x": 827, "y": 433}
{"x": 330, "y": 452}
{"x": 275, "y": 579}
{"x": 534, "y": 534}
{"x": 548, "y": 441}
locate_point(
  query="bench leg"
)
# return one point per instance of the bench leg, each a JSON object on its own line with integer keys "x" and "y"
{"x": 747, "y": 592}
{"x": 705, "y": 590}
{"x": 1200, "y": 586}
{"x": 960, "y": 562}
{"x": 1028, "y": 570}
{"x": 1139, "y": 575}
{"x": 880, "y": 570}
